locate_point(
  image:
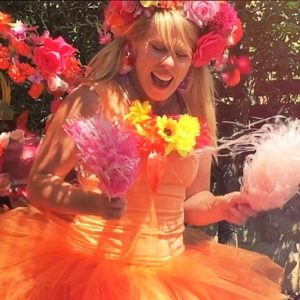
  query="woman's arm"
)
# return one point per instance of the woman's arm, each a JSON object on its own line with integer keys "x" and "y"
{"x": 202, "y": 207}
{"x": 57, "y": 156}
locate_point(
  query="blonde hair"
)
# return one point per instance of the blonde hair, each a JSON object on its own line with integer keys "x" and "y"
{"x": 199, "y": 95}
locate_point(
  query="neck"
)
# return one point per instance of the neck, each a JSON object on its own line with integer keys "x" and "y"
{"x": 137, "y": 90}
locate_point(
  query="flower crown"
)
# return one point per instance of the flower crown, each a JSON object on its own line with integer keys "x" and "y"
{"x": 220, "y": 26}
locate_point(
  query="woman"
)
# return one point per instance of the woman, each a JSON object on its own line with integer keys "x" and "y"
{"x": 83, "y": 246}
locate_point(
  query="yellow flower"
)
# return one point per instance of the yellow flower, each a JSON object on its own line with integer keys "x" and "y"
{"x": 187, "y": 131}
{"x": 149, "y": 3}
{"x": 167, "y": 128}
{"x": 190, "y": 125}
{"x": 138, "y": 112}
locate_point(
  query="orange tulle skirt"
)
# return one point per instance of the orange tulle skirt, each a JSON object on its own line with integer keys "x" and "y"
{"x": 37, "y": 264}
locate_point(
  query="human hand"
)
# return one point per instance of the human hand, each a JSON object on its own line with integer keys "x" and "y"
{"x": 111, "y": 208}
{"x": 236, "y": 209}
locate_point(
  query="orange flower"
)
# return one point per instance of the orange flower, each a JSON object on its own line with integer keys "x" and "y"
{"x": 5, "y": 19}
{"x": 4, "y": 58}
{"x": 19, "y": 72}
{"x": 36, "y": 90}
{"x": 27, "y": 69}
{"x": 22, "y": 49}
{"x": 72, "y": 67}
{"x": 16, "y": 75}
{"x": 171, "y": 4}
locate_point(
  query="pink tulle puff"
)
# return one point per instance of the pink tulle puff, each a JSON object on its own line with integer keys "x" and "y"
{"x": 271, "y": 175}
{"x": 108, "y": 150}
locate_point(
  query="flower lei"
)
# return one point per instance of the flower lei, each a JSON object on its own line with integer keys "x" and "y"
{"x": 41, "y": 62}
{"x": 165, "y": 134}
{"x": 217, "y": 19}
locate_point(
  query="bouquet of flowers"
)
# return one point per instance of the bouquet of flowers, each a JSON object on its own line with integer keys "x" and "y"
{"x": 41, "y": 62}
{"x": 163, "y": 135}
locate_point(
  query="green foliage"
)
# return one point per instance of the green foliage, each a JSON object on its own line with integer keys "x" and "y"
{"x": 272, "y": 37}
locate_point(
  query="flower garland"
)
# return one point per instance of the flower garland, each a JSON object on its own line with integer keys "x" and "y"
{"x": 165, "y": 134}
{"x": 44, "y": 63}
{"x": 217, "y": 19}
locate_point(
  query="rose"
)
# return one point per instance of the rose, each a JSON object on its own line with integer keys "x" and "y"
{"x": 47, "y": 61}
{"x": 208, "y": 47}
{"x": 201, "y": 12}
{"x": 49, "y": 58}
{"x": 225, "y": 20}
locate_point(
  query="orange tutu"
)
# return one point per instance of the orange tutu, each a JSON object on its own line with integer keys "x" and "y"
{"x": 37, "y": 263}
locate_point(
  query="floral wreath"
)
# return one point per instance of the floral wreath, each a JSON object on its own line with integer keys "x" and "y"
{"x": 217, "y": 19}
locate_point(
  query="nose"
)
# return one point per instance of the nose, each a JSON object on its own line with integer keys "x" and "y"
{"x": 168, "y": 61}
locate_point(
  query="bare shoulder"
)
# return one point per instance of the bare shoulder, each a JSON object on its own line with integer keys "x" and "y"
{"x": 84, "y": 100}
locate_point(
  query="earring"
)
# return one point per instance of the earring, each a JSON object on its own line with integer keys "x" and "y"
{"x": 127, "y": 61}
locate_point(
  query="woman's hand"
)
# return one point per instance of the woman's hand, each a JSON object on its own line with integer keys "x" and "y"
{"x": 113, "y": 208}
{"x": 235, "y": 208}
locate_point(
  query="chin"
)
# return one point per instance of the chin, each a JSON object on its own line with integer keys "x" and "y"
{"x": 159, "y": 95}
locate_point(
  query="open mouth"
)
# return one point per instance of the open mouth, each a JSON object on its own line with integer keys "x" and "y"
{"x": 161, "y": 81}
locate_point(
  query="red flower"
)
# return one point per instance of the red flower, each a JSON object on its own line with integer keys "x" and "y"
{"x": 117, "y": 19}
{"x": 203, "y": 139}
{"x": 22, "y": 49}
{"x": 5, "y": 19}
{"x": 209, "y": 47}
{"x": 244, "y": 65}
{"x": 16, "y": 75}
{"x": 231, "y": 78}
{"x": 72, "y": 67}
{"x": 4, "y": 58}
{"x": 36, "y": 89}
{"x": 225, "y": 20}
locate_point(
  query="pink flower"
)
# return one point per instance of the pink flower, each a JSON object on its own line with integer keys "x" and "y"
{"x": 209, "y": 47}
{"x": 18, "y": 30}
{"x": 201, "y": 12}
{"x": 105, "y": 39}
{"x": 225, "y": 20}
{"x": 49, "y": 58}
{"x": 244, "y": 65}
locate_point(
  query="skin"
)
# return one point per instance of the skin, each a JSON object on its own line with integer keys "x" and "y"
{"x": 58, "y": 155}
{"x": 153, "y": 56}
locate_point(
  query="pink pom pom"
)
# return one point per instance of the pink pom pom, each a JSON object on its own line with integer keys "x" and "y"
{"x": 108, "y": 150}
{"x": 272, "y": 174}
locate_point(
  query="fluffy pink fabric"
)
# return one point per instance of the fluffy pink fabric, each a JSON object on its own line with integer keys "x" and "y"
{"x": 108, "y": 150}
{"x": 272, "y": 174}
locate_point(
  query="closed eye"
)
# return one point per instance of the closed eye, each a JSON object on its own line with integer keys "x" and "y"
{"x": 158, "y": 49}
{"x": 182, "y": 55}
